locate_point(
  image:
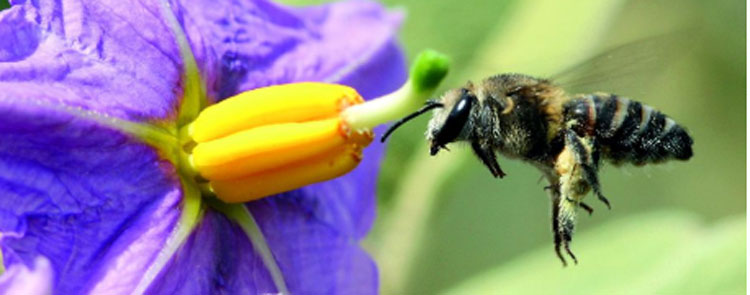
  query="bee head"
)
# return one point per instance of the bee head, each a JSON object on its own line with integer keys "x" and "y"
{"x": 449, "y": 120}
{"x": 449, "y": 123}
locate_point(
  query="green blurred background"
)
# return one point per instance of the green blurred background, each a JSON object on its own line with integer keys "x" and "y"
{"x": 445, "y": 225}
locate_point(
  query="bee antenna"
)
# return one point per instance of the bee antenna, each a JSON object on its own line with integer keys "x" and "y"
{"x": 428, "y": 106}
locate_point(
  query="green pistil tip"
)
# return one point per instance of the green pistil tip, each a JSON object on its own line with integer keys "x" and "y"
{"x": 428, "y": 70}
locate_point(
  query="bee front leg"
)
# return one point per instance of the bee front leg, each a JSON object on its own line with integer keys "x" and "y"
{"x": 487, "y": 155}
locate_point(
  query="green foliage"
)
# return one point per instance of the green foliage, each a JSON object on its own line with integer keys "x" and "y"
{"x": 663, "y": 252}
{"x": 4, "y": 4}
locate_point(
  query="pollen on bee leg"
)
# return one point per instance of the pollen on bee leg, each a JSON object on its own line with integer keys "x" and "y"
{"x": 326, "y": 166}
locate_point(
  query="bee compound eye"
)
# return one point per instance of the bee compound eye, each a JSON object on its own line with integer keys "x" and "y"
{"x": 456, "y": 120}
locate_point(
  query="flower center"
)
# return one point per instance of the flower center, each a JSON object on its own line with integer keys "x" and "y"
{"x": 279, "y": 138}
{"x": 274, "y": 139}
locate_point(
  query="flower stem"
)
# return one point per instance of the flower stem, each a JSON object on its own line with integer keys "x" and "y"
{"x": 426, "y": 73}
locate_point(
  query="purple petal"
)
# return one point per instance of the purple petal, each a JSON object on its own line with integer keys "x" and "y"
{"x": 114, "y": 57}
{"x": 97, "y": 204}
{"x": 100, "y": 205}
{"x": 20, "y": 279}
{"x": 315, "y": 258}
{"x": 217, "y": 258}
{"x": 259, "y": 43}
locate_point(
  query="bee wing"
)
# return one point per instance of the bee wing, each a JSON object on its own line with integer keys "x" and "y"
{"x": 626, "y": 69}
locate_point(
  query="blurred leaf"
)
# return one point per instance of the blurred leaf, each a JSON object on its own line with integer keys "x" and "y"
{"x": 663, "y": 252}
{"x": 720, "y": 267}
{"x": 4, "y": 4}
{"x": 544, "y": 37}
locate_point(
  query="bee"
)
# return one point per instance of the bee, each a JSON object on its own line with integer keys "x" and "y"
{"x": 564, "y": 136}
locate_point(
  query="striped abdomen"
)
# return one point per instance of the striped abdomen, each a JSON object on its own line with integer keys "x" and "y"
{"x": 628, "y": 131}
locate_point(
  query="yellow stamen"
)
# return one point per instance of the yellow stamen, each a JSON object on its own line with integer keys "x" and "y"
{"x": 279, "y": 138}
{"x": 252, "y": 187}
{"x": 275, "y": 139}
{"x": 266, "y": 147}
{"x": 298, "y": 102}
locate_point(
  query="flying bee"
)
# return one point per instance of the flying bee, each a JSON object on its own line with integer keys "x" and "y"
{"x": 564, "y": 136}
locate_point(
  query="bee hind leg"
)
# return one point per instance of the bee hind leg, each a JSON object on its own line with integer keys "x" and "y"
{"x": 603, "y": 199}
{"x": 580, "y": 204}
{"x": 567, "y": 226}
{"x": 591, "y": 176}
{"x": 556, "y": 230}
{"x": 570, "y": 186}
{"x": 586, "y": 156}
{"x": 563, "y": 225}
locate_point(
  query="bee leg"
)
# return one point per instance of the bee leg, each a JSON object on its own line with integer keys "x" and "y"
{"x": 487, "y": 155}
{"x": 563, "y": 225}
{"x": 586, "y": 207}
{"x": 603, "y": 199}
{"x": 556, "y": 227}
{"x": 569, "y": 181}
{"x": 566, "y": 226}
{"x": 558, "y": 243}
{"x": 587, "y": 157}
{"x": 592, "y": 177}
{"x": 553, "y": 188}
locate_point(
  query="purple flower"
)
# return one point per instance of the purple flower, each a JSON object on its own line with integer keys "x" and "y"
{"x": 91, "y": 209}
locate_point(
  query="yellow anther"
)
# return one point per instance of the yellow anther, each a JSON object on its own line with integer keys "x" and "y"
{"x": 326, "y": 166}
{"x": 275, "y": 139}
{"x": 298, "y": 102}
{"x": 279, "y": 138}
{"x": 266, "y": 147}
